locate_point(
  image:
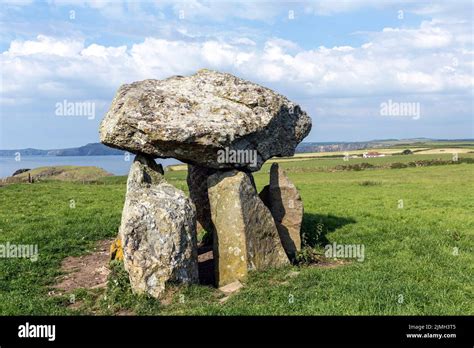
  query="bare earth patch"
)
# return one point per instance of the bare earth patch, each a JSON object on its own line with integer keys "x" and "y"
{"x": 86, "y": 271}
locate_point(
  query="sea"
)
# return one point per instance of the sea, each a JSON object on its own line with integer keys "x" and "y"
{"x": 117, "y": 165}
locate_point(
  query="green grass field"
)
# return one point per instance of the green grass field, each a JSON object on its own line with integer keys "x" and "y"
{"x": 418, "y": 259}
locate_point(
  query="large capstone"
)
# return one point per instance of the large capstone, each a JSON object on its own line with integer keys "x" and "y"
{"x": 210, "y": 119}
{"x": 284, "y": 202}
{"x": 158, "y": 231}
{"x": 246, "y": 236}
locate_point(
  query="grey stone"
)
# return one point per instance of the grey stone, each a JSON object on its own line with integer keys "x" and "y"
{"x": 158, "y": 231}
{"x": 286, "y": 206}
{"x": 196, "y": 118}
{"x": 246, "y": 236}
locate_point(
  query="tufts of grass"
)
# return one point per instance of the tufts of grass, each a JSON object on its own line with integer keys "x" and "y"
{"x": 370, "y": 183}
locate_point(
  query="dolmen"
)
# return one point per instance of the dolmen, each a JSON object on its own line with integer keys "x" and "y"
{"x": 224, "y": 128}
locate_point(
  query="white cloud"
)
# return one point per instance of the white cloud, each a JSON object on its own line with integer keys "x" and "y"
{"x": 427, "y": 36}
{"x": 243, "y": 41}
{"x": 326, "y": 8}
{"x": 219, "y": 11}
{"x": 257, "y": 10}
{"x": 44, "y": 45}
{"x": 95, "y": 50}
{"x": 396, "y": 61}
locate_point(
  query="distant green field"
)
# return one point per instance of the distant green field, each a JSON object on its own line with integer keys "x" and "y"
{"x": 328, "y": 163}
{"x": 436, "y": 144}
{"x": 66, "y": 173}
{"x": 323, "y": 164}
{"x": 419, "y": 258}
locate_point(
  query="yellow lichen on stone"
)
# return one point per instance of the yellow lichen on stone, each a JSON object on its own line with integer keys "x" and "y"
{"x": 116, "y": 250}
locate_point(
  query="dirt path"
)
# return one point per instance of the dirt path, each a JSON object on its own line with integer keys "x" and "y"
{"x": 86, "y": 271}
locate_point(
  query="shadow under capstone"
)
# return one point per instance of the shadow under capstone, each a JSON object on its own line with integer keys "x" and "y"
{"x": 206, "y": 265}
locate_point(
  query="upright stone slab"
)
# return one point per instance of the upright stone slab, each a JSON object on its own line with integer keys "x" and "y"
{"x": 157, "y": 231}
{"x": 197, "y": 184}
{"x": 284, "y": 202}
{"x": 246, "y": 235}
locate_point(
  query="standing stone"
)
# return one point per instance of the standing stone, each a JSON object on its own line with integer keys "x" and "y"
{"x": 197, "y": 184}
{"x": 193, "y": 118}
{"x": 246, "y": 236}
{"x": 157, "y": 231}
{"x": 284, "y": 202}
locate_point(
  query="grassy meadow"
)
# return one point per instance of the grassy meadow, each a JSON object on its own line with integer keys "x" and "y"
{"x": 416, "y": 225}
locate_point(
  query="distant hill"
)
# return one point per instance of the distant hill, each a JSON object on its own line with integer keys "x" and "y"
{"x": 373, "y": 144}
{"x": 98, "y": 149}
{"x": 92, "y": 149}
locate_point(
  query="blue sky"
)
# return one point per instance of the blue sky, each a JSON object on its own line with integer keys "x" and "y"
{"x": 340, "y": 60}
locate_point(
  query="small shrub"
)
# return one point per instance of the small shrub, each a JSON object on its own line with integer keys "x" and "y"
{"x": 398, "y": 165}
{"x": 466, "y": 159}
{"x": 355, "y": 167}
{"x": 118, "y": 294}
{"x": 366, "y": 165}
{"x": 370, "y": 183}
{"x": 308, "y": 256}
